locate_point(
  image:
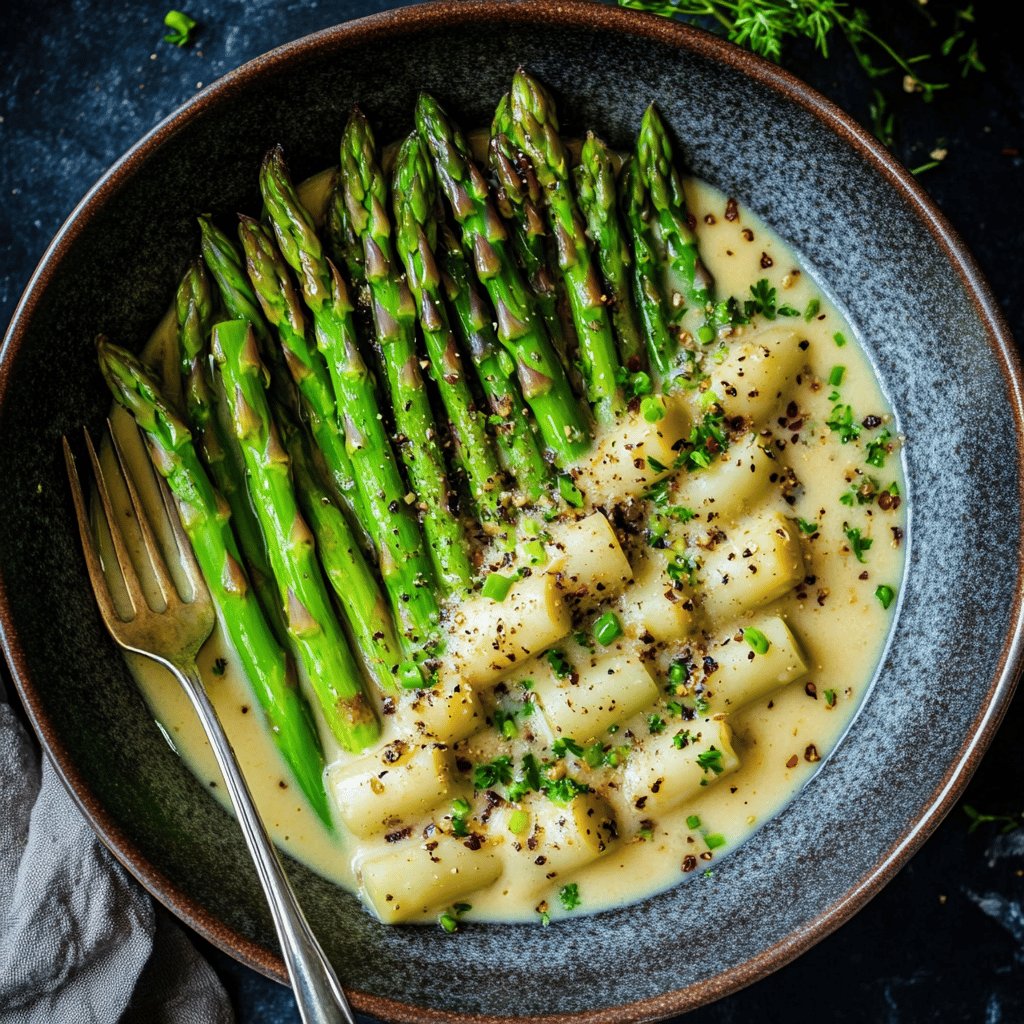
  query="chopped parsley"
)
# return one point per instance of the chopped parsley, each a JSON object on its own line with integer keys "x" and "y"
{"x": 505, "y": 723}
{"x": 460, "y": 811}
{"x": 806, "y": 527}
{"x": 693, "y": 821}
{"x": 683, "y": 570}
{"x": 570, "y": 493}
{"x": 564, "y": 790}
{"x": 764, "y": 301}
{"x": 490, "y": 774}
{"x": 858, "y": 544}
{"x": 652, "y": 408}
{"x": 812, "y": 310}
{"x": 878, "y": 449}
{"x": 655, "y": 724}
{"x": 559, "y": 663}
{"x": 564, "y": 745}
{"x": 714, "y": 840}
{"x": 830, "y": 698}
{"x": 707, "y": 440}
{"x": 711, "y": 760}
{"x": 756, "y": 640}
{"x": 839, "y": 338}
{"x": 682, "y": 739}
{"x": 569, "y": 896}
{"x": 885, "y": 595}
{"x": 679, "y": 672}
{"x": 842, "y": 422}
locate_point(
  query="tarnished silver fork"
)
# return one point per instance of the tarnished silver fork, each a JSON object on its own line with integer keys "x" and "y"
{"x": 172, "y": 637}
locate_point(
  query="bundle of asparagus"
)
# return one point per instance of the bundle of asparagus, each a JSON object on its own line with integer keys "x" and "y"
{"x": 335, "y": 495}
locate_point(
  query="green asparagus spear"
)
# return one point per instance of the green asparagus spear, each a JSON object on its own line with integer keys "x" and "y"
{"x": 404, "y": 564}
{"x": 520, "y": 326}
{"x": 662, "y": 344}
{"x": 519, "y": 200}
{"x": 394, "y": 317}
{"x": 496, "y": 371}
{"x": 415, "y": 198}
{"x": 342, "y": 242}
{"x": 535, "y": 131}
{"x": 194, "y": 304}
{"x": 283, "y": 308}
{"x": 365, "y": 609}
{"x": 313, "y": 629}
{"x": 206, "y": 520}
{"x": 683, "y": 274}
{"x": 595, "y": 189}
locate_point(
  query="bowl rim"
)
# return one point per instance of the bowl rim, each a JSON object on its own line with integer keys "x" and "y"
{"x": 554, "y": 14}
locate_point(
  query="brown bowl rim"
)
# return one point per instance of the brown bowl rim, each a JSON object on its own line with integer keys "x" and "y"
{"x": 575, "y": 14}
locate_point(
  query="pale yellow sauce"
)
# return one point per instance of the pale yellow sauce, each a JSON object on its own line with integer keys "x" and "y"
{"x": 779, "y": 739}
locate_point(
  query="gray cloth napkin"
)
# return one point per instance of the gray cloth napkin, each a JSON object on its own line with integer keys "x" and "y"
{"x": 80, "y": 942}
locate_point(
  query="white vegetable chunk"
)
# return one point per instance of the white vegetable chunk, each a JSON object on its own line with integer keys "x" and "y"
{"x": 609, "y": 691}
{"x": 493, "y": 636}
{"x": 418, "y": 876}
{"x": 634, "y": 455}
{"x": 377, "y": 793}
{"x": 653, "y": 605}
{"x": 758, "y": 562}
{"x": 730, "y": 485}
{"x": 448, "y": 712}
{"x": 677, "y": 765}
{"x": 587, "y": 557}
{"x": 758, "y": 373}
{"x": 743, "y": 674}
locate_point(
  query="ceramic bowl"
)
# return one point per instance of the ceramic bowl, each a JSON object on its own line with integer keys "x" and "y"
{"x": 865, "y": 231}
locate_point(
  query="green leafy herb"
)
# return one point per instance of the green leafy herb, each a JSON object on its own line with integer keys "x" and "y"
{"x": 885, "y": 595}
{"x": 181, "y": 28}
{"x": 505, "y": 723}
{"x": 486, "y": 776}
{"x": 460, "y": 812}
{"x": 682, "y": 739}
{"x": 607, "y": 629}
{"x": 570, "y": 493}
{"x": 564, "y": 790}
{"x": 711, "y": 760}
{"x": 449, "y": 919}
{"x": 806, "y": 527}
{"x": 1006, "y": 822}
{"x": 812, "y": 310}
{"x": 652, "y": 408}
{"x": 878, "y": 449}
{"x": 830, "y": 698}
{"x": 693, "y": 821}
{"x": 756, "y": 640}
{"x": 842, "y": 422}
{"x": 220, "y": 666}
{"x": 569, "y": 896}
{"x": 655, "y": 724}
{"x": 517, "y": 822}
{"x": 714, "y": 840}
{"x": 839, "y": 338}
{"x": 683, "y": 569}
{"x": 679, "y": 672}
{"x": 708, "y": 440}
{"x": 559, "y": 663}
{"x": 529, "y": 780}
{"x": 564, "y": 745}
{"x": 835, "y": 378}
{"x": 858, "y": 544}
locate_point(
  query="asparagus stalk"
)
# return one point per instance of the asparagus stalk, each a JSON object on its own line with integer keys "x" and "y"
{"x": 314, "y": 631}
{"x": 394, "y": 316}
{"x": 519, "y": 200}
{"x": 206, "y": 520}
{"x": 415, "y": 199}
{"x": 595, "y": 189}
{"x": 520, "y": 327}
{"x": 404, "y": 564}
{"x": 194, "y": 305}
{"x": 685, "y": 279}
{"x": 662, "y": 345}
{"x": 365, "y": 609}
{"x": 282, "y": 306}
{"x": 342, "y": 242}
{"x": 496, "y": 371}
{"x": 534, "y": 127}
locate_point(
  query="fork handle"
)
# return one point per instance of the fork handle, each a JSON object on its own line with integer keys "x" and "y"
{"x": 318, "y": 993}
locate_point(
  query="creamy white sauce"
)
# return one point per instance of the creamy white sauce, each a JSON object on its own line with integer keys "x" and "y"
{"x": 780, "y": 739}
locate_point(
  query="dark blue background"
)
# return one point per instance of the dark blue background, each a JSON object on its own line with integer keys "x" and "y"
{"x": 83, "y": 79}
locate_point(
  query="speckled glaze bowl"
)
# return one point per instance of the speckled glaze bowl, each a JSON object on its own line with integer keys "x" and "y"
{"x": 875, "y": 244}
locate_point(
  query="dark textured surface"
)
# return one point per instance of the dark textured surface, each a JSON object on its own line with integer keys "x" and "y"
{"x": 910, "y": 955}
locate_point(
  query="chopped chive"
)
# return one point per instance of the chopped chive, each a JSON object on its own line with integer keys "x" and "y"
{"x": 517, "y": 822}
{"x": 714, "y": 840}
{"x": 839, "y": 338}
{"x": 830, "y": 698}
{"x": 835, "y": 378}
{"x": 535, "y": 552}
{"x": 559, "y": 663}
{"x": 607, "y": 629}
{"x": 693, "y": 821}
{"x": 885, "y": 595}
{"x": 496, "y": 586}
{"x": 757, "y": 641}
{"x": 181, "y": 26}
{"x": 570, "y": 493}
{"x": 812, "y": 310}
{"x": 448, "y": 923}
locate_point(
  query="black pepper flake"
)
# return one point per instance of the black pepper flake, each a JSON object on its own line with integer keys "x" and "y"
{"x": 766, "y": 261}
{"x": 397, "y": 837}
{"x": 811, "y": 753}
{"x": 811, "y": 690}
{"x": 732, "y": 210}
{"x": 792, "y": 762}
{"x": 689, "y": 862}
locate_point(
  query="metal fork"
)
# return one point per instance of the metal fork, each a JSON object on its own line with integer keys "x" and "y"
{"x": 172, "y": 638}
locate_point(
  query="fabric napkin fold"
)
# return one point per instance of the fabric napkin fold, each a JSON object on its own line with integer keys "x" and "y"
{"x": 80, "y": 941}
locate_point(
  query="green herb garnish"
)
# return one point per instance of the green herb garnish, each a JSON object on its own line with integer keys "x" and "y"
{"x": 711, "y": 760}
{"x": 569, "y": 896}
{"x": 559, "y": 663}
{"x": 756, "y": 640}
{"x": 496, "y": 586}
{"x": 858, "y": 544}
{"x": 181, "y": 28}
{"x": 885, "y": 595}
{"x": 607, "y": 629}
